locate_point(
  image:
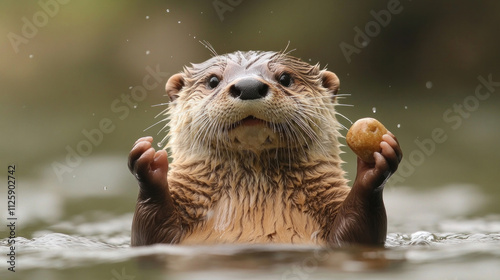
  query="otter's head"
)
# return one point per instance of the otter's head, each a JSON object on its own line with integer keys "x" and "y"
{"x": 252, "y": 101}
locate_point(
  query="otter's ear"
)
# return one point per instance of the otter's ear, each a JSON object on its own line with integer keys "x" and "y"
{"x": 330, "y": 81}
{"x": 174, "y": 86}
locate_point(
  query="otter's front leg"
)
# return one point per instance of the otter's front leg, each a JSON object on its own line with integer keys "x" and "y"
{"x": 361, "y": 218}
{"x": 155, "y": 218}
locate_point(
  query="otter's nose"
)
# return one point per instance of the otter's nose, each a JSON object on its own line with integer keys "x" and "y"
{"x": 249, "y": 89}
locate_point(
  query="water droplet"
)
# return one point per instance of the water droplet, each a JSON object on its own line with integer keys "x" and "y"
{"x": 31, "y": 56}
{"x": 179, "y": 21}
{"x": 364, "y": 44}
{"x": 159, "y": 145}
{"x": 374, "y": 109}
{"x": 105, "y": 188}
{"x": 127, "y": 40}
{"x": 147, "y": 17}
{"x": 399, "y": 125}
{"x": 135, "y": 106}
{"x": 406, "y": 107}
{"x": 130, "y": 87}
{"x": 148, "y": 52}
{"x": 428, "y": 85}
{"x": 390, "y": 86}
{"x": 168, "y": 10}
{"x": 74, "y": 176}
{"x": 93, "y": 114}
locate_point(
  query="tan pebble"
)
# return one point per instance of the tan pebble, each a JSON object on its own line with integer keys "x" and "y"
{"x": 364, "y": 138}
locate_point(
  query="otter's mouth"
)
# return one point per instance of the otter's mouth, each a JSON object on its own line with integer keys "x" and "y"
{"x": 249, "y": 121}
{"x": 252, "y": 133}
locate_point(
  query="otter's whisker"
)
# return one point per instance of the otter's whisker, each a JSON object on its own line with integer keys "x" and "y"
{"x": 163, "y": 141}
{"x": 203, "y": 125}
{"x": 312, "y": 134}
{"x": 295, "y": 132}
{"x": 162, "y": 113}
{"x": 160, "y": 104}
{"x": 343, "y": 117}
{"x": 155, "y": 124}
{"x": 209, "y": 46}
{"x": 342, "y": 94}
{"x": 316, "y": 114}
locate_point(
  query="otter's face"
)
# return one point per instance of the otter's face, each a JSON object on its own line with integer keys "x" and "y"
{"x": 252, "y": 101}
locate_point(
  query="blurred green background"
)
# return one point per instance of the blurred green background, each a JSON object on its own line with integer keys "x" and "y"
{"x": 82, "y": 60}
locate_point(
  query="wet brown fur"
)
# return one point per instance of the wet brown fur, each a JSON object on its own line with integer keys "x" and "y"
{"x": 289, "y": 190}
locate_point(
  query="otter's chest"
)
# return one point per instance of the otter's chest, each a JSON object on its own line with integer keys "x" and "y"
{"x": 254, "y": 220}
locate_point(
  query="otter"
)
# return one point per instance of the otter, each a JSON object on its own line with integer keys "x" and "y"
{"x": 253, "y": 138}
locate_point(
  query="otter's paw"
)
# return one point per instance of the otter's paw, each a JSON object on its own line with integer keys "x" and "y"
{"x": 149, "y": 167}
{"x": 374, "y": 175}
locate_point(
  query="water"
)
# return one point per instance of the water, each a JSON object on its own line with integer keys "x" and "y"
{"x": 417, "y": 255}
{"x": 84, "y": 233}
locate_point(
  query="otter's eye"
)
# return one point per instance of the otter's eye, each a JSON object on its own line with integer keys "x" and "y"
{"x": 213, "y": 82}
{"x": 285, "y": 80}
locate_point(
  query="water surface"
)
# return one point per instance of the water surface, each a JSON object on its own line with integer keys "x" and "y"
{"x": 85, "y": 233}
